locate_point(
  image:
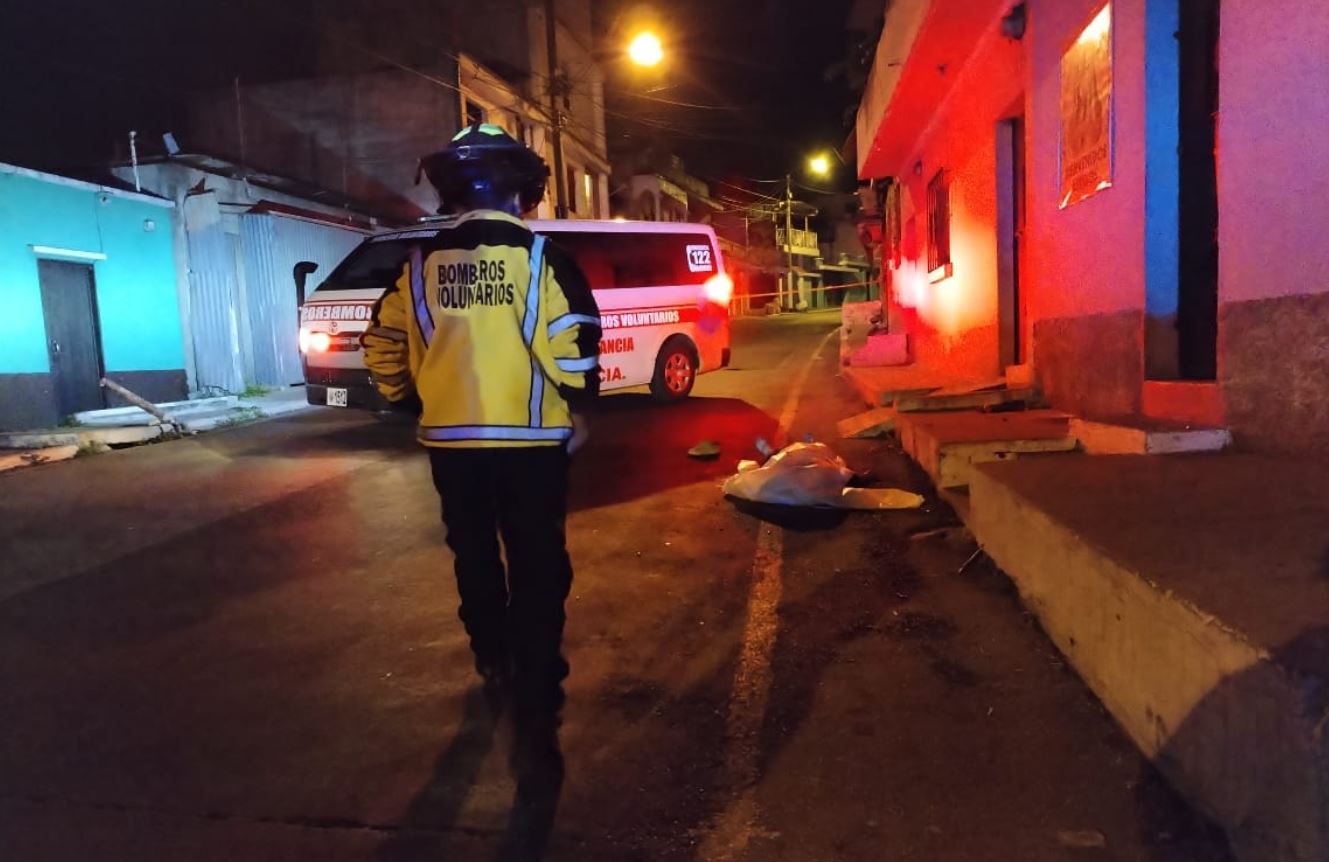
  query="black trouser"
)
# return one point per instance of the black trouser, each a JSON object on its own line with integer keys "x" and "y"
{"x": 520, "y": 494}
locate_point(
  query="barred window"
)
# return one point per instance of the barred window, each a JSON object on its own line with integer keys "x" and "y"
{"x": 894, "y": 225}
{"x": 939, "y": 222}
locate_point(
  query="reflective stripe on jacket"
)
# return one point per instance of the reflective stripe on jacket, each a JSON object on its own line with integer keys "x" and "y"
{"x": 497, "y": 331}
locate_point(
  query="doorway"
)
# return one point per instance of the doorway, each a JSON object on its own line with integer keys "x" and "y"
{"x": 1010, "y": 236}
{"x": 73, "y": 340}
{"x": 1197, "y": 214}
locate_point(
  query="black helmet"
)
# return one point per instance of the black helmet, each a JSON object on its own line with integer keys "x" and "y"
{"x": 482, "y": 168}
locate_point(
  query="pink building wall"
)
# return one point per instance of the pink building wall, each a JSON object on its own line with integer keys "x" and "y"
{"x": 1103, "y": 235}
{"x": 1273, "y": 170}
{"x": 1273, "y": 225}
{"x": 1085, "y": 283}
{"x": 953, "y": 324}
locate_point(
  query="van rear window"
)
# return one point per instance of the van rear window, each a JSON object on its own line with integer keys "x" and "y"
{"x": 626, "y": 260}
{"x": 372, "y": 264}
{"x": 610, "y": 260}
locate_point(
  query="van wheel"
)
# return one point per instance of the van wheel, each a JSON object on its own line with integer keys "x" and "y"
{"x": 675, "y": 370}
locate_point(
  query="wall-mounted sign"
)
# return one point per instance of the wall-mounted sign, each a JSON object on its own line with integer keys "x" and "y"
{"x": 1085, "y": 150}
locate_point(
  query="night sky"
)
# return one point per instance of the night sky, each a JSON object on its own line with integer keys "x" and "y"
{"x": 759, "y": 68}
{"x": 80, "y": 73}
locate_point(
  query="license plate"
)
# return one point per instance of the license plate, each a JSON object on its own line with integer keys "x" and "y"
{"x": 337, "y": 397}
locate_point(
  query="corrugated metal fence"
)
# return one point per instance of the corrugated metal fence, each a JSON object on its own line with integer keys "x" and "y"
{"x": 273, "y": 245}
{"x": 243, "y": 309}
{"x": 213, "y": 298}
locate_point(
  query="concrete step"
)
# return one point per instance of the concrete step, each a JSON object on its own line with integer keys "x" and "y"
{"x": 1192, "y": 595}
{"x": 1146, "y": 436}
{"x": 881, "y": 387}
{"x": 954, "y": 399}
{"x": 1191, "y": 402}
{"x": 116, "y": 416}
{"x": 947, "y": 445}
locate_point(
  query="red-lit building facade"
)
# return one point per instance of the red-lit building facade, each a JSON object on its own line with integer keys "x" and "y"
{"x": 1128, "y": 197}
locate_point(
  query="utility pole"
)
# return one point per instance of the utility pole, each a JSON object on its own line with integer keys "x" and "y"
{"x": 789, "y": 234}
{"x": 556, "y": 112}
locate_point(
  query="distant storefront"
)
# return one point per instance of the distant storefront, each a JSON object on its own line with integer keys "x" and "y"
{"x": 88, "y": 289}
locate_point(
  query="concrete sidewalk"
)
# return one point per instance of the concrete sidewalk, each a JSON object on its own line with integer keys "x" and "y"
{"x": 1191, "y": 592}
{"x": 119, "y": 427}
{"x": 205, "y": 414}
{"x": 1192, "y": 595}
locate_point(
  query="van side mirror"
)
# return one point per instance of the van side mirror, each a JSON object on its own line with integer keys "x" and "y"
{"x": 301, "y": 274}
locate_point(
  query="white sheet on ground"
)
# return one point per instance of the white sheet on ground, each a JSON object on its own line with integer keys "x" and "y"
{"x": 810, "y": 474}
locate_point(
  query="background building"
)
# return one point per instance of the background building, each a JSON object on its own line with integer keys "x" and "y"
{"x": 391, "y": 86}
{"x": 88, "y": 286}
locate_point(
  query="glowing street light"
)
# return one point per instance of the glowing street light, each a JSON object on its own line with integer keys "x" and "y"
{"x": 646, "y": 50}
{"x": 819, "y": 165}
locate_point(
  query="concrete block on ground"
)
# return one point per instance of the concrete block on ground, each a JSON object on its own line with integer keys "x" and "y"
{"x": 80, "y": 437}
{"x": 30, "y": 458}
{"x": 984, "y": 398}
{"x": 877, "y": 422}
{"x": 948, "y": 445}
{"x": 1192, "y": 595}
{"x": 1144, "y": 436}
{"x": 856, "y": 321}
{"x": 881, "y": 350}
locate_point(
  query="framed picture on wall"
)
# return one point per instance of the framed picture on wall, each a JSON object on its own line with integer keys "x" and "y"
{"x": 1084, "y": 149}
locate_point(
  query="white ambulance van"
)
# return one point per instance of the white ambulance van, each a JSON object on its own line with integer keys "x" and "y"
{"x": 661, "y": 287}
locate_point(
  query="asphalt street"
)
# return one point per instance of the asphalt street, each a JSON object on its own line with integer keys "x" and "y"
{"x": 244, "y": 646}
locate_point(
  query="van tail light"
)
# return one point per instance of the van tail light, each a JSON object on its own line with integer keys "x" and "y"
{"x": 314, "y": 342}
{"x": 719, "y": 289}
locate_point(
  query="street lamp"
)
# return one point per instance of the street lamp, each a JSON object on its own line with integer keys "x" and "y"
{"x": 645, "y": 50}
{"x": 819, "y": 165}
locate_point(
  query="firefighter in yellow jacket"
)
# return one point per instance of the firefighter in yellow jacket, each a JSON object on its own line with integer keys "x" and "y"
{"x": 496, "y": 332}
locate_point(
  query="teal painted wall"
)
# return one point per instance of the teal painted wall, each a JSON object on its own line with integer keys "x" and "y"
{"x": 136, "y": 284}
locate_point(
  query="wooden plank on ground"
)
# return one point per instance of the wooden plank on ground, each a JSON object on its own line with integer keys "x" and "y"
{"x": 892, "y": 397}
{"x": 968, "y": 401}
{"x": 973, "y": 386}
{"x": 877, "y": 422}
